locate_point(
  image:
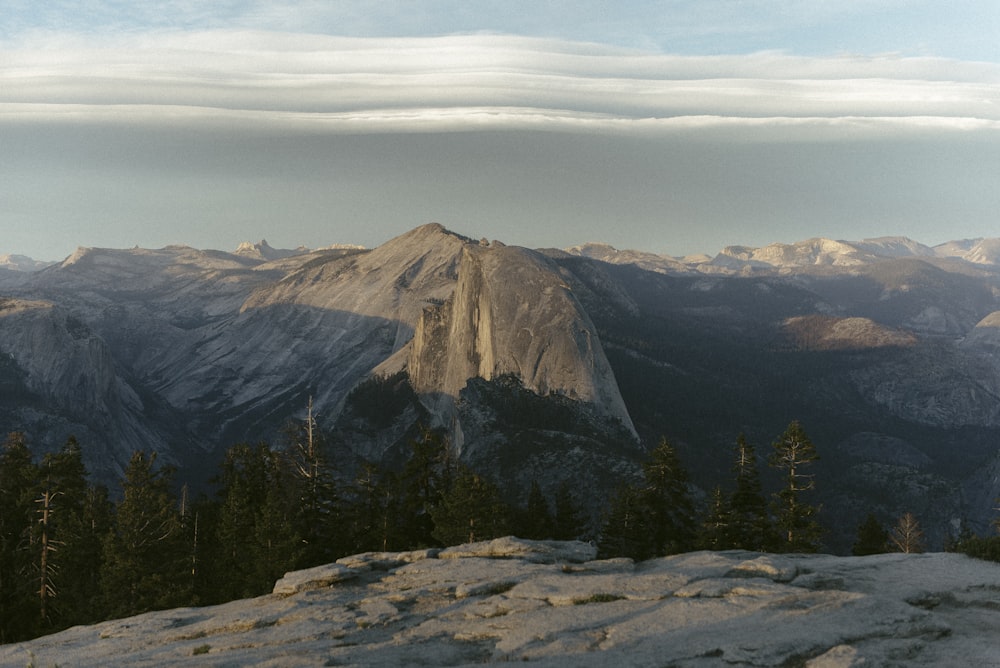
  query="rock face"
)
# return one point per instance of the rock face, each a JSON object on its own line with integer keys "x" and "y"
{"x": 511, "y": 313}
{"x": 551, "y": 604}
{"x": 53, "y": 365}
{"x": 21, "y": 263}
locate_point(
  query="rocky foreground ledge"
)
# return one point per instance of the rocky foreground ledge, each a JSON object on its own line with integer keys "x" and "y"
{"x": 552, "y": 604}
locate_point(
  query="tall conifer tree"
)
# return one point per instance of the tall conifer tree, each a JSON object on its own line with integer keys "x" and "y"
{"x": 254, "y": 532}
{"x": 568, "y": 520}
{"x": 626, "y": 531}
{"x": 145, "y": 553}
{"x": 796, "y": 519}
{"x": 749, "y": 523}
{"x": 714, "y": 533}
{"x": 535, "y": 522}
{"x": 424, "y": 478}
{"x": 672, "y": 521}
{"x": 470, "y": 510}
{"x": 65, "y": 546}
{"x": 18, "y": 487}
{"x": 316, "y": 521}
{"x": 872, "y": 538}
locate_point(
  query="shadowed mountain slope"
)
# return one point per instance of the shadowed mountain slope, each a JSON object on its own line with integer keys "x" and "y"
{"x": 539, "y": 364}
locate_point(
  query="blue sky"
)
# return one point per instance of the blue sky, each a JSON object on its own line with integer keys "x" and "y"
{"x": 675, "y": 127}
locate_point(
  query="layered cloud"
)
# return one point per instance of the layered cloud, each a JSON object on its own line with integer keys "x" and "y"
{"x": 964, "y": 29}
{"x": 351, "y": 85}
{"x": 211, "y": 138}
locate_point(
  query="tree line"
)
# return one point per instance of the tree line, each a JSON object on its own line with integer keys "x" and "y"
{"x": 658, "y": 515}
{"x": 72, "y": 553}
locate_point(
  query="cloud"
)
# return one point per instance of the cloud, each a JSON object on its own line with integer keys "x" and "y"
{"x": 961, "y": 29}
{"x": 495, "y": 80}
{"x": 212, "y": 138}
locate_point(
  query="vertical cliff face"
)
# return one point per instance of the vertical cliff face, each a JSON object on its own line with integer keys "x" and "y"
{"x": 60, "y": 378}
{"x": 511, "y": 313}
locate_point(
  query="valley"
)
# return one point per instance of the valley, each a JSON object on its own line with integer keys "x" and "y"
{"x": 884, "y": 349}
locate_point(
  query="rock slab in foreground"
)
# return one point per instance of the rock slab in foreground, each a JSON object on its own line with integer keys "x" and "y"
{"x": 548, "y": 604}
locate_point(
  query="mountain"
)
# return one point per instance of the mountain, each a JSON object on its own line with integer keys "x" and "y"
{"x": 649, "y": 261}
{"x": 813, "y": 254}
{"x": 551, "y": 604}
{"x": 978, "y": 251}
{"x": 195, "y": 350}
{"x": 22, "y": 263}
{"x": 263, "y": 251}
{"x": 540, "y": 365}
{"x": 537, "y": 332}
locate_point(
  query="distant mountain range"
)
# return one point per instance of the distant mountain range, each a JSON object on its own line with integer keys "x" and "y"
{"x": 812, "y": 253}
{"x": 540, "y": 364}
{"x": 732, "y": 259}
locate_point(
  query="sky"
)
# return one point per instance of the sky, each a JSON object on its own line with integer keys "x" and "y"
{"x": 676, "y": 126}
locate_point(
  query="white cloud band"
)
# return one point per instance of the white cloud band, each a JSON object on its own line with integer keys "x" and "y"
{"x": 347, "y": 85}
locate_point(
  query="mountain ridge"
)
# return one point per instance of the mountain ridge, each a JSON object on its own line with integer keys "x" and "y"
{"x": 884, "y": 340}
{"x": 816, "y": 251}
{"x": 233, "y": 346}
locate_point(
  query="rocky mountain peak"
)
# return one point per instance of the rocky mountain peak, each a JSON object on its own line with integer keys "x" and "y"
{"x": 811, "y": 252}
{"x": 512, "y": 313}
{"x": 22, "y": 263}
{"x": 264, "y": 251}
{"x": 649, "y": 261}
{"x": 894, "y": 247}
{"x": 977, "y": 251}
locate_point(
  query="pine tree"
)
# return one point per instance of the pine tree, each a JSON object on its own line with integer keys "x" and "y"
{"x": 907, "y": 535}
{"x": 316, "y": 521}
{"x": 374, "y": 510}
{"x": 872, "y": 538}
{"x": 626, "y": 531}
{"x": 63, "y": 545}
{"x": 715, "y": 529}
{"x": 18, "y": 488}
{"x": 793, "y": 451}
{"x": 424, "y": 477}
{"x": 144, "y": 554}
{"x": 535, "y": 521}
{"x": 749, "y": 523}
{"x": 253, "y": 526}
{"x": 470, "y": 510}
{"x": 668, "y": 502}
{"x": 568, "y": 523}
